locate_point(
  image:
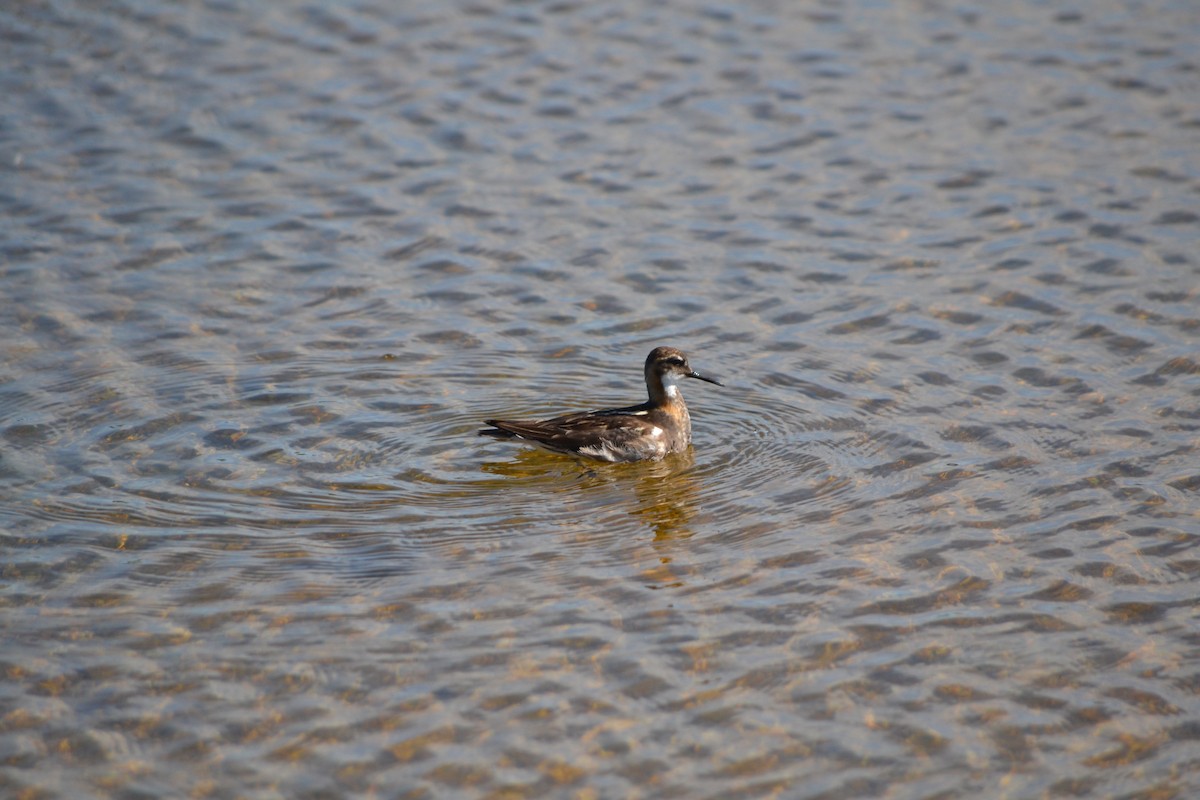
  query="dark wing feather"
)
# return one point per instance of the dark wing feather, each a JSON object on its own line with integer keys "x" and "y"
{"x": 575, "y": 432}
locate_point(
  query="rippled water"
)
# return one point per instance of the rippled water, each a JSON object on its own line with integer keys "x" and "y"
{"x": 268, "y": 266}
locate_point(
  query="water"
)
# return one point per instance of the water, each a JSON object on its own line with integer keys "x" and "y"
{"x": 266, "y": 269}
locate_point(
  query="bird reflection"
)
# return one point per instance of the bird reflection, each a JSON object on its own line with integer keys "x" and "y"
{"x": 662, "y": 495}
{"x": 666, "y": 496}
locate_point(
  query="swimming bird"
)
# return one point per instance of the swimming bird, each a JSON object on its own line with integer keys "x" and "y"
{"x": 649, "y": 431}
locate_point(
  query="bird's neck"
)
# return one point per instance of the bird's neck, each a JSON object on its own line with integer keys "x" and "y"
{"x": 664, "y": 390}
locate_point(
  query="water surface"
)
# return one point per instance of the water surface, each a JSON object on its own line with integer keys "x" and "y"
{"x": 267, "y": 266}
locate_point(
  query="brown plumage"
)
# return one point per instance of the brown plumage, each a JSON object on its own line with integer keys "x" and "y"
{"x": 651, "y": 430}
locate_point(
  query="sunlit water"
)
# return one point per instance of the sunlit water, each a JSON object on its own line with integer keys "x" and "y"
{"x": 265, "y": 267}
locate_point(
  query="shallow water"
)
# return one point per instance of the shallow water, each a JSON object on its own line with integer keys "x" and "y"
{"x": 267, "y": 268}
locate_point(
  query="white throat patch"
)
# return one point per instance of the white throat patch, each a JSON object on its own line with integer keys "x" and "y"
{"x": 670, "y": 385}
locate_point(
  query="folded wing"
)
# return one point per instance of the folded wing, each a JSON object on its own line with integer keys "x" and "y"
{"x": 619, "y": 437}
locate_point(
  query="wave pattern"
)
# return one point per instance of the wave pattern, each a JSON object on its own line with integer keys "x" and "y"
{"x": 266, "y": 268}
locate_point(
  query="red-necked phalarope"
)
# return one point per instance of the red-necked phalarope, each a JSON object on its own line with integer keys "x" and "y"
{"x": 656, "y": 428}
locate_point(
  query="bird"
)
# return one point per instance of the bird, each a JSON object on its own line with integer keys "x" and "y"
{"x": 646, "y": 432}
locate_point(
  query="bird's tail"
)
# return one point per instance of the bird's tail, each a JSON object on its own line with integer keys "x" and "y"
{"x": 495, "y": 433}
